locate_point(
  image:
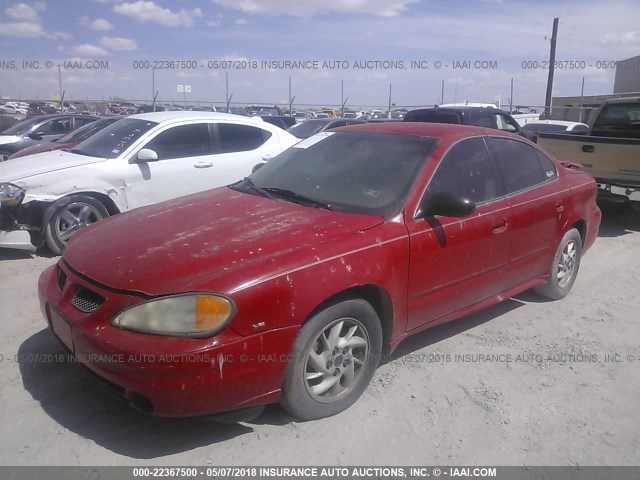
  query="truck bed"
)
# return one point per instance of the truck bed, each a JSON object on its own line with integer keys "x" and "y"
{"x": 613, "y": 161}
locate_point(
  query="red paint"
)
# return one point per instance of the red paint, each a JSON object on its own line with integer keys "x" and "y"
{"x": 280, "y": 261}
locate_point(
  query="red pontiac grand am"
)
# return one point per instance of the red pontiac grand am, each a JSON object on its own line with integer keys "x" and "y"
{"x": 288, "y": 285}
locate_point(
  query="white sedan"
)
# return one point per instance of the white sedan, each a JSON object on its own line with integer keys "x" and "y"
{"x": 136, "y": 161}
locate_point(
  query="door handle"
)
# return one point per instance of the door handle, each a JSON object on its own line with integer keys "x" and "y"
{"x": 203, "y": 164}
{"x": 499, "y": 225}
{"x": 560, "y": 206}
{"x": 588, "y": 148}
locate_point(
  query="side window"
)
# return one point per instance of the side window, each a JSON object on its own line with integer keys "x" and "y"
{"x": 57, "y": 126}
{"x": 504, "y": 123}
{"x": 240, "y": 138}
{"x": 548, "y": 168}
{"x": 466, "y": 170}
{"x": 181, "y": 141}
{"x": 520, "y": 165}
{"x": 480, "y": 119}
{"x": 80, "y": 122}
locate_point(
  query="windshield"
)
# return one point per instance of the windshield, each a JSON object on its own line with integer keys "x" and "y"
{"x": 308, "y": 128}
{"x": 353, "y": 172}
{"x": 23, "y": 127}
{"x": 86, "y": 131}
{"x": 114, "y": 139}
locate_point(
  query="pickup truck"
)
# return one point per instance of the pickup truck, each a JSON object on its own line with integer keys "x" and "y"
{"x": 480, "y": 116}
{"x": 610, "y": 151}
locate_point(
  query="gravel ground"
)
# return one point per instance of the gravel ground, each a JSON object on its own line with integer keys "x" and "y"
{"x": 562, "y": 388}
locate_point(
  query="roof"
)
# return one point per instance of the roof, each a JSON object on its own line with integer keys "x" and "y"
{"x": 193, "y": 115}
{"x": 623, "y": 100}
{"x": 426, "y": 129}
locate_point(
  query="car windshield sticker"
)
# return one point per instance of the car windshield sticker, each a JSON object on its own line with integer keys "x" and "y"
{"x": 309, "y": 142}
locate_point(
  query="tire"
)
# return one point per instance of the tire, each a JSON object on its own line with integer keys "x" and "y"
{"x": 4, "y": 156}
{"x": 567, "y": 258}
{"x": 345, "y": 360}
{"x": 78, "y": 211}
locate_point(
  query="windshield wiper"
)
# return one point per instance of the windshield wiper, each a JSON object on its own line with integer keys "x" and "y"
{"x": 296, "y": 197}
{"x": 247, "y": 181}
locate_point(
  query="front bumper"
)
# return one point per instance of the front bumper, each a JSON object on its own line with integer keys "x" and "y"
{"x": 19, "y": 226}
{"x": 163, "y": 376}
{"x": 17, "y": 239}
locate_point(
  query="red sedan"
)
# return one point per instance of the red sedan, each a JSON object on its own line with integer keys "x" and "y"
{"x": 289, "y": 285}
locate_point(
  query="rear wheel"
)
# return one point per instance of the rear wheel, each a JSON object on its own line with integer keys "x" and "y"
{"x": 564, "y": 268}
{"x": 67, "y": 219}
{"x": 334, "y": 358}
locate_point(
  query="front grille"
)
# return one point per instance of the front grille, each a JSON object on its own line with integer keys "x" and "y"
{"x": 86, "y": 300}
{"x": 61, "y": 279}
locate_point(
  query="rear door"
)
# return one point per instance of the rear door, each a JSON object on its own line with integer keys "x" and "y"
{"x": 239, "y": 148}
{"x": 457, "y": 262}
{"x": 537, "y": 207}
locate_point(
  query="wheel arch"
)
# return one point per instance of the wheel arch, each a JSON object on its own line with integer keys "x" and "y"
{"x": 581, "y": 226}
{"x": 107, "y": 201}
{"x": 375, "y": 295}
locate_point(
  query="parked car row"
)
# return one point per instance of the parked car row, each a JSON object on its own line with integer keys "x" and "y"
{"x": 289, "y": 283}
{"x": 37, "y": 129}
{"x": 135, "y": 161}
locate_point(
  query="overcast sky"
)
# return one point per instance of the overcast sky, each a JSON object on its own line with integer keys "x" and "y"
{"x": 501, "y": 32}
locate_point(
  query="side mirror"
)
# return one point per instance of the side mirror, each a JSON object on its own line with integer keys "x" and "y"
{"x": 36, "y": 135}
{"x": 146, "y": 155}
{"x": 445, "y": 204}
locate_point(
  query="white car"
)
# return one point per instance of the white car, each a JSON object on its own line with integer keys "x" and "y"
{"x": 532, "y": 129}
{"x": 12, "y": 110}
{"x": 136, "y": 161}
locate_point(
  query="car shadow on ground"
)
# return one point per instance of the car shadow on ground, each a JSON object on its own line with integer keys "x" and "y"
{"x": 437, "y": 334}
{"x": 618, "y": 220}
{"x": 14, "y": 254}
{"x": 77, "y": 404}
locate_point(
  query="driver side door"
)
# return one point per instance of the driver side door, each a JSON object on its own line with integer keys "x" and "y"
{"x": 457, "y": 262}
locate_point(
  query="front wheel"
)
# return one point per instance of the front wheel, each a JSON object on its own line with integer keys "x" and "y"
{"x": 334, "y": 358}
{"x": 67, "y": 219}
{"x": 564, "y": 268}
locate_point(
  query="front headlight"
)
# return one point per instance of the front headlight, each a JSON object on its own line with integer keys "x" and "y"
{"x": 192, "y": 315}
{"x": 10, "y": 194}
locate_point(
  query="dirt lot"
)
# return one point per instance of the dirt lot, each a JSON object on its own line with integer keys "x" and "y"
{"x": 552, "y": 398}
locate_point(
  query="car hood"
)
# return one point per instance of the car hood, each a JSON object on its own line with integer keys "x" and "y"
{"x": 6, "y": 139}
{"x": 43, "y": 147}
{"x": 25, "y": 167}
{"x": 217, "y": 240}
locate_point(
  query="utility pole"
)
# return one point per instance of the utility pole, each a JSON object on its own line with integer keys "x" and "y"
{"x": 290, "y": 98}
{"x": 581, "y": 100}
{"x": 442, "y": 93}
{"x": 342, "y": 98}
{"x": 511, "y": 98}
{"x": 389, "y": 114}
{"x": 226, "y": 75}
{"x": 60, "y": 87}
{"x": 552, "y": 61}
{"x": 153, "y": 84}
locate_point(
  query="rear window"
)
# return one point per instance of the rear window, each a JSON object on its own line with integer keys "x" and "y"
{"x": 432, "y": 116}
